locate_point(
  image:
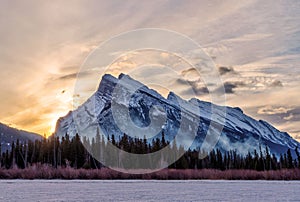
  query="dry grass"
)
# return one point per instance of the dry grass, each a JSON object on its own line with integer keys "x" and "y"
{"x": 47, "y": 172}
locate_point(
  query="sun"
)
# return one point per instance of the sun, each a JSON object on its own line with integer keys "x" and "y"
{"x": 64, "y": 107}
{"x": 64, "y": 100}
{"x": 53, "y": 126}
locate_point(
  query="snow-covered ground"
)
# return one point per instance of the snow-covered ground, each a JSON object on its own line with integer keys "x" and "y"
{"x": 82, "y": 190}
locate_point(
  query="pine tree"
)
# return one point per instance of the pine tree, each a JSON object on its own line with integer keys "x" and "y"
{"x": 268, "y": 159}
{"x": 289, "y": 159}
{"x": 298, "y": 156}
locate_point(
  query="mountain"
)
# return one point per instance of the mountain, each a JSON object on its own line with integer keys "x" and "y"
{"x": 124, "y": 105}
{"x": 9, "y": 134}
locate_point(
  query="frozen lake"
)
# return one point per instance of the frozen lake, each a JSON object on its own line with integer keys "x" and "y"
{"x": 125, "y": 190}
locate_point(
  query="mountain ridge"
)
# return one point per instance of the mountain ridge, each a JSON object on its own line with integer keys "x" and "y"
{"x": 240, "y": 132}
{"x": 9, "y": 134}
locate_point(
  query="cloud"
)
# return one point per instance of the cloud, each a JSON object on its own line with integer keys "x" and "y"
{"x": 271, "y": 110}
{"x": 226, "y": 70}
{"x": 198, "y": 91}
{"x": 189, "y": 71}
{"x": 76, "y": 75}
{"x": 276, "y": 83}
{"x": 68, "y": 76}
{"x": 237, "y": 81}
{"x": 251, "y": 84}
{"x": 195, "y": 87}
{"x": 262, "y": 82}
{"x": 69, "y": 68}
{"x": 30, "y": 120}
{"x": 293, "y": 114}
{"x": 289, "y": 117}
{"x": 190, "y": 77}
{"x": 231, "y": 86}
{"x": 233, "y": 81}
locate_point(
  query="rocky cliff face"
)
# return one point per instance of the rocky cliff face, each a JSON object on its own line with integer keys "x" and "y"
{"x": 124, "y": 105}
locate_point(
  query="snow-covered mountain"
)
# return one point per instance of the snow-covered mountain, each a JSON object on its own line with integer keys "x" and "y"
{"x": 9, "y": 134}
{"x": 124, "y": 105}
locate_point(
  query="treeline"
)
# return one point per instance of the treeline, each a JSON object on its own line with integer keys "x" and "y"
{"x": 76, "y": 153}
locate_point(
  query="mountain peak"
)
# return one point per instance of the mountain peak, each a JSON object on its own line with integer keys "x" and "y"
{"x": 108, "y": 78}
{"x": 172, "y": 96}
{"x": 122, "y": 75}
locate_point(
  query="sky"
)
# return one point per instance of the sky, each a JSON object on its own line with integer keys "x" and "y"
{"x": 254, "y": 44}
